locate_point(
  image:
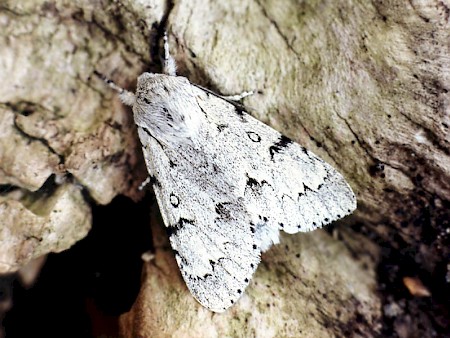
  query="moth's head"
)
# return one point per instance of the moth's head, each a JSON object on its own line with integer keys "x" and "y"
{"x": 166, "y": 106}
{"x": 158, "y": 85}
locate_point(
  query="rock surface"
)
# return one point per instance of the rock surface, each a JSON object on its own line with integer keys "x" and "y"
{"x": 362, "y": 84}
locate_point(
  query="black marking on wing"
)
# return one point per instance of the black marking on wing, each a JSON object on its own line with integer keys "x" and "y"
{"x": 203, "y": 111}
{"x": 150, "y": 134}
{"x": 254, "y": 136}
{"x": 154, "y": 181}
{"x": 147, "y": 131}
{"x": 263, "y": 218}
{"x": 223, "y": 211}
{"x": 283, "y": 142}
{"x": 166, "y": 89}
{"x": 253, "y": 184}
{"x": 172, "y": 164}
{"x": 183, "y": 260}
{"x": 216, "y": 168}
{"x": 174, "y": 200}
{"x": 305, "y": 190}
{"x": 221, "y": 127}
{"x": 167, "y": 114}
{"x": 213, "y": 267}
{"x": 174, "y": 228}
{"x": 239, "y": 110}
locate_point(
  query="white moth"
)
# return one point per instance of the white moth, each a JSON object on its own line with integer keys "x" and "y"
{"x": 226, "y": 183}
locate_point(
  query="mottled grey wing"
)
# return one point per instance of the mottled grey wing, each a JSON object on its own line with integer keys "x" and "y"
{"x": 282, "y": 184}
{"x": 208, "y": 224}
{"x": 225, "y": 190}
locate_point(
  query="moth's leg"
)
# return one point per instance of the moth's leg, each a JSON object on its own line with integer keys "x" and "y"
{"x": 230, "y": 98}
{"x": 169, "y": 66}
{"x": 148, "y": 256}
{"x": 145, "y": 183}
{"x": 125, "y": 96}
{"x": 238, "y": 97}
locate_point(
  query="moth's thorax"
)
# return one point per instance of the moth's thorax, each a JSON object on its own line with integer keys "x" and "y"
{"x": 166, "y": 107}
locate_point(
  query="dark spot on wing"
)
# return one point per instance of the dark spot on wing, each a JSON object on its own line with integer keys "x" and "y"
{"x": 203, "y": 111}
{"x": 253, "y": 136}
{"x": 221, "y": 127}
{"x": 172, "y": 164}
{"x": 174, "y": 200}
{"x": 146, "y": 100}
{"x": 262, "y": 218}
{"x": 147, "y": 131}
{"x": 154, "y": 181}
{"x": 305, "y": 190}
{"x": 251, "y": 182}
{"x": 168, "y": 115}
{"x": 150, "y": 134}
{"x": 174, "y": 228}
{"x": 183, "y": 260}
{"x": 165, "y": 89}
{"x": 246, "y": 280}
{"x": 223, "y": 211}
{"x": 239, "y": 110}
{"x": 283, "y": 142}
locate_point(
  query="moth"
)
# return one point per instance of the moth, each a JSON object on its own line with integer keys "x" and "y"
{"x": 226, "y": 183}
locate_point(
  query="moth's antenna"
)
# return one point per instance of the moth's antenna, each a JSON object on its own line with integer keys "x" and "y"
{"x": 125, "y": 96}
{"x": 169, "y": 66}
